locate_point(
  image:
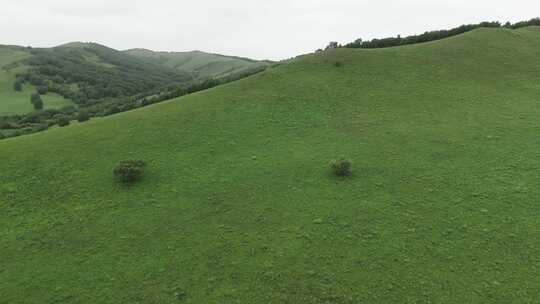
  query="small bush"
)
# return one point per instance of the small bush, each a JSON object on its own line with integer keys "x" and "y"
{"x": 27, "y": 130}
{"x": 68, "y": 110}
{"x": 342, "y": 167}
{"x": 36, "y": 100}
{"x": 145, "y": 102}
{"x": 337, "y": 64}
{"x": 17, "y": 86}
{"x": 83, "y": 116}
{"x": 63, "y": 121}
{"x": 42, "y": 90}
{"x": 129, "y": 171}
{"x": 41, "y": 127}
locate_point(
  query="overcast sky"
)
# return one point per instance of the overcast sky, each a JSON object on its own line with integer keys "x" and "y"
{"x": 273, "y": 29}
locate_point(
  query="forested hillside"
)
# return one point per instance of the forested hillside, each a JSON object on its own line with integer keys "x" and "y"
{"x": 89, "y": 73}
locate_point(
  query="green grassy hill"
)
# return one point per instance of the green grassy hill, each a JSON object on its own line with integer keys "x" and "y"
{"x": 11, "y": 101}
{"x": 201, "y": 64}
{"x": 238, "y": 204}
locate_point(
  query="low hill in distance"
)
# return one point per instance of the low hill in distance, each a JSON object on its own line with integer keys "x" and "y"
{"x": 201, "y": 64}
{"x": 97, "y": 80}
{"x": 85, "y": 72}
{"x": 18, "y": 102}
{"x": 238, "y": 205}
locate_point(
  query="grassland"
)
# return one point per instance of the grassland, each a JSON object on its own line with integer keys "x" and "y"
{"x": 238, "y": 205}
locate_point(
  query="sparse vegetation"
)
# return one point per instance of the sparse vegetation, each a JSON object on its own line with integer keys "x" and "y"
{"x": 63, "y": 120}
{"x": 129, "y": 171}
{"x": 240, "y": 206}
{"x": 341, "y": 167}
{"x": 83, "y": 116}
{"x": 42, "y": 89}
{"x": 332, "y": 45}
{"x": 17, "y": 86}
{"x": 434, "y": 35}
{"x": 36, "y": 101}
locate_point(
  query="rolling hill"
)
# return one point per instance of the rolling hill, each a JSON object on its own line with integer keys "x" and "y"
{"x": 90, "y": 71}
{"x": 14, "y": 102}
{"x": 201, "y": 64}
{"x": 89, "y": 79}
{"x": 84, "y": 73}
{"x": 237, "y": 204}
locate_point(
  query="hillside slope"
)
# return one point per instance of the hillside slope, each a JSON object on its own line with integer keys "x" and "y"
{"x": 18, "y": 102}
{"x": 238, "y": 205}
{"x": 201, "y": 64}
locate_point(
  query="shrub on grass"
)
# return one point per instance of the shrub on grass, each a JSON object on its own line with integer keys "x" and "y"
{"x": 41, "y": 127}
{"x": 63, "y": 121}
{"x": 42, "y": 90}
{"x": 332, "y": 45}
{"x": 83, "y": 116}
{"x": 17, "y": 86}
{"x": 36, "y": 101}
{"x": 68, "y": 110}
{"x": 129, "y": 171}
{"x": 2, "y": 136}
{"x": 341, "y": 167}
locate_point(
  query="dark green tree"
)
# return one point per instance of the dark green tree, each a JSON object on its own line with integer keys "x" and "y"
{"x": 83, "y": 116}
{"x": 63, "y": 121}
{"x": 129, "y": 171}
{"x": 17, "y": 86}
{"x": 332, "y": 45}
{"x": 37, "y": 101}
{"x": 341, "y": 167}
{"x": 42, "y": 90}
